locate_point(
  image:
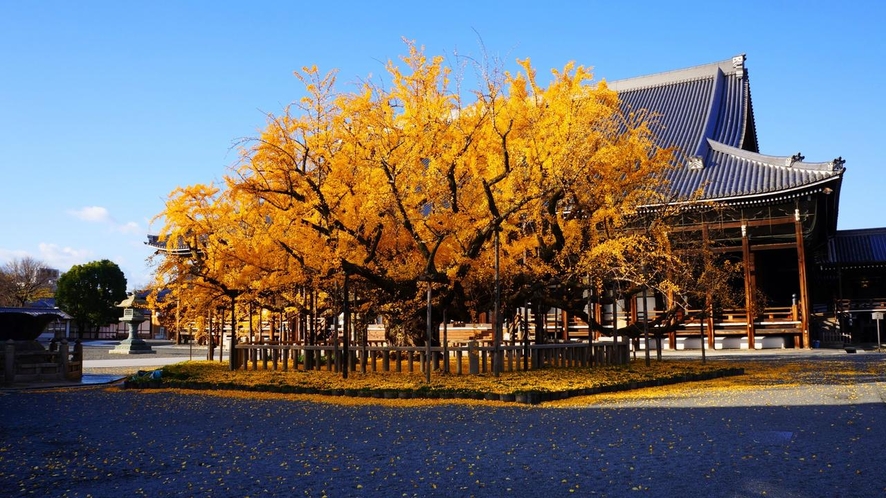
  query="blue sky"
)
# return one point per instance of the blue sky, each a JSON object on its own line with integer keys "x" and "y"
{"x": 106, "y": 106}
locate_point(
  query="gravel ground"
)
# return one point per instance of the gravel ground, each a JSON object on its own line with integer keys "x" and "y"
{"x": 823, "y": 439}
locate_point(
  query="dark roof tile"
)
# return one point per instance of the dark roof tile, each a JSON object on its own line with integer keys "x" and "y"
{"x": 858, "y": 247}
{"x": 706, "y": 112}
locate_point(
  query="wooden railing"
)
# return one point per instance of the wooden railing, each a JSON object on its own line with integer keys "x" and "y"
{"x": 37, "y": 365}
{"x": 474, "y": 358}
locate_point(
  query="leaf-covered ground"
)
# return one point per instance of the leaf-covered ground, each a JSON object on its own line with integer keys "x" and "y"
{"x": 793, "y": 428}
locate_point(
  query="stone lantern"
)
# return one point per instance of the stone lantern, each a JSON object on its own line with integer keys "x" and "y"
{"x": 133, "y": 315}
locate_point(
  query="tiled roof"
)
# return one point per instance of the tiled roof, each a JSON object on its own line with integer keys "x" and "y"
{"x": 180, "y": 249}
{"x": 30, "y": 311}
{"x": 865, "y": 247}
{"x": 732, "y": 174}
{"x": 706, "y": 112}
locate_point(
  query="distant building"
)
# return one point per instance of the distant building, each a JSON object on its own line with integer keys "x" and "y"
{"x": 854, "y": 272}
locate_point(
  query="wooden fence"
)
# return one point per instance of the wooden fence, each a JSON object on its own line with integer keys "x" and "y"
{"x": 471, "y": 358}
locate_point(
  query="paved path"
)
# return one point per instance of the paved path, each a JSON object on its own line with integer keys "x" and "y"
{"x": 819, "y": 436}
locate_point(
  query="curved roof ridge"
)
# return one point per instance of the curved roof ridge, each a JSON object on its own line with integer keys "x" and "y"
{"x": 702, "y": 71}
{"x": 710, "y": 121}
{"x": 749, "y": 137}
{"x": 787, "y": 162}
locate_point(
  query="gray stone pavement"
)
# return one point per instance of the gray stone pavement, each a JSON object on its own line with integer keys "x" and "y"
{"x": 97, "y": 355}
{"x": 817, "y": 436}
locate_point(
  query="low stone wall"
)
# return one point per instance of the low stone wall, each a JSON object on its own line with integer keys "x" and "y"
{"x": 29, "y": 361}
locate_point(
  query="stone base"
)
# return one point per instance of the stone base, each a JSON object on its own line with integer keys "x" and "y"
{"x": 133, "y": 346}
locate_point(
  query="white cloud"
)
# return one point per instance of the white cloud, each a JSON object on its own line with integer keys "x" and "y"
{"x": 96, "y": 214}
{"x": 130, "y": 227}
{"x": 62, "y": 258}
{"x": 99, "y": 214}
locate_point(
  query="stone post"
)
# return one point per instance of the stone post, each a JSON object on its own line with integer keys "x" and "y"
{"x": 63, "y": 357}
{"x": 9, "y": 369}
{"x": 76, "y": 370}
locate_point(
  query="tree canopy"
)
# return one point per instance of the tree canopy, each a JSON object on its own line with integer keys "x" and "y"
{"x": 90, "y": 293}
{"x": 24, "y": 281}
{"x": 408, "y": 182}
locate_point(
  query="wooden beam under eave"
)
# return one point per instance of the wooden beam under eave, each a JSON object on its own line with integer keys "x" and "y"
{"x": 755, "y": 248}
{"x": 778, "y": 220}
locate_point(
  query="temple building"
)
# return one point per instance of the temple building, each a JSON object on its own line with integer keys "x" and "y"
{"x": 777, "y": 214}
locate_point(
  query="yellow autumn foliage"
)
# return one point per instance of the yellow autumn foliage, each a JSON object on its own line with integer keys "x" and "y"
{"x": 543, "y": 380}
{"x": 395, "y": 183}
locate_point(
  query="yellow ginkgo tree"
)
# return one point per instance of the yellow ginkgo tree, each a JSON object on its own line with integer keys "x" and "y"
{"x": 393, "y": 187}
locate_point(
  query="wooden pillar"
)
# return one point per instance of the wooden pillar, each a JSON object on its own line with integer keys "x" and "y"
{"x": 709, "y": 305}
{"x": 708, "y": 316}
{"x": 672, "y": 333}
{"x": 565, "y": 320}
{"x": 750, "y": 284}
{"x": 801, "y": 267}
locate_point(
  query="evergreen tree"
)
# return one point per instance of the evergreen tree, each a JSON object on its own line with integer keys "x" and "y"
{"x": 90, "y": 293}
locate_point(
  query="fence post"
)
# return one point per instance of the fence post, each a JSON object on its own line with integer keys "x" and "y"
{"x": 473, "y": 358}
{"x": 9, "y": 368}
{"x": 77, "y": 374}
{"x": 63, "y": 358}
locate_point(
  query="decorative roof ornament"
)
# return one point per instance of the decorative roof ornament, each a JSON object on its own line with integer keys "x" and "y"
{"x": 838, "y": 163}
{"x": 738, "y": 64}
{"x": 696, "y": 162}
{"x": 796, "y": 158}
